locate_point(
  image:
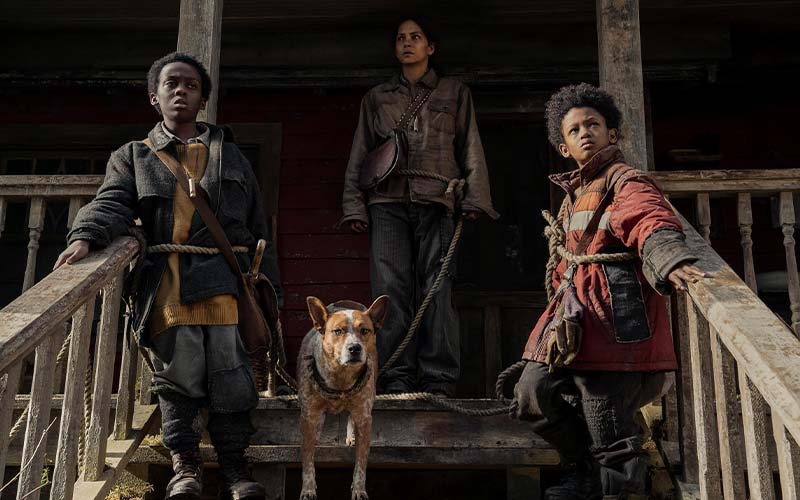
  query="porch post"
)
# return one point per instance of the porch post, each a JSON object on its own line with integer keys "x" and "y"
{"x": 199, "y": 34}
{"x": 620, "y": 59}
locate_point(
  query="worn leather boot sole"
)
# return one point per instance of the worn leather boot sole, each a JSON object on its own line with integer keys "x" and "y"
{"x": 251, "y": 491}
{"x": 184, "y": 492}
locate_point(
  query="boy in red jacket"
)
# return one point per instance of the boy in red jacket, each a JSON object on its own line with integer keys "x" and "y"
{"x": 604, "y": 340}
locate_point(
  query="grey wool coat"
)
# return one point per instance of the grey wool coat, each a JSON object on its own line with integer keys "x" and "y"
{"x": 138, "y": 185}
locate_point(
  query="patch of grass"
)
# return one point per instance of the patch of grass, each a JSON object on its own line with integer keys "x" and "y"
{"x": 125, "y": 492}
{"x": 152, "y": 440}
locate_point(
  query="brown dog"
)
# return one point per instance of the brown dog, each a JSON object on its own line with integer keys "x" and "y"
{"x": 336, "y": 371}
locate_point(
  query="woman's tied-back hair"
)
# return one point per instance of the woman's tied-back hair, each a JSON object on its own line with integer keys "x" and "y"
{"x": 581, "y": 95}
{"x": 158, "y": 65}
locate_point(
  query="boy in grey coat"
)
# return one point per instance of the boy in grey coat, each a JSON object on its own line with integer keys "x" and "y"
{"x": 185, "y": 305}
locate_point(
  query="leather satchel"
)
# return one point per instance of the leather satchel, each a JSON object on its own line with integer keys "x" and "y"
{"x": 381, "y": 161}
{"x": 257, "y": 301}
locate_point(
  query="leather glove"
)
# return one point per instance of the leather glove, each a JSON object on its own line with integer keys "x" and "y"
{"x": 564, "y": 340}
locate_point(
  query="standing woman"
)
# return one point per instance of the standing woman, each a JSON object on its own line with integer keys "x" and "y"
{"x": 410, "y": 217}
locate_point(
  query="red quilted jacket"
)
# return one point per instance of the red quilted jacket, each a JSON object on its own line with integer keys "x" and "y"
{"x": 625, "y": 322}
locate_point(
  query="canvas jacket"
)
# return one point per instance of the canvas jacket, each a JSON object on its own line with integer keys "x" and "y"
{"x": 444, "y": 141}
{"x": 625, "y": 322}
{"x": 138, "y": 185}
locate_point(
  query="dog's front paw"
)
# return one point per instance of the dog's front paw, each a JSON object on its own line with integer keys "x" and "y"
{"x": 308, "y": 495}
{"x": 359, "y": 495}
{"x": 350, "y": 440}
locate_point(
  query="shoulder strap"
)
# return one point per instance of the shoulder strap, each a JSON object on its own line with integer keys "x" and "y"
{"x": 201, "y": 205}
{"x": 413, "y": 108}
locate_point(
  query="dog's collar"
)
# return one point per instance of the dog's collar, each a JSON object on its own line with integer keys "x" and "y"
{"x": 328, "y": 392}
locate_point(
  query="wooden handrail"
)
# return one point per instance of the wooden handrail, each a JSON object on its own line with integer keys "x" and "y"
{"x": 685, "y": 183}
{"x": 49, "y": 186}
{"x": 29, "y": 319}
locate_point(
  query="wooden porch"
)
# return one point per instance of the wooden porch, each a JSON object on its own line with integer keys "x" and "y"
{"x": 728, "y": 430}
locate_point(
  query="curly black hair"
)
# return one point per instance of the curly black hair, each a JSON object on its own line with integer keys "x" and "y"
{"x": 581, "y": 95}
{"x": 158, "y": 65}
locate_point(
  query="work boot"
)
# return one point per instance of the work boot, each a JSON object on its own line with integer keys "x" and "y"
{"x": 581, "y": 483}
{"x": 238, "y": 483}
{"x": 186, "y": 484}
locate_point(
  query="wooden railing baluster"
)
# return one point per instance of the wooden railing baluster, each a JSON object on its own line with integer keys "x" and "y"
{"x": 787, "y": 218}
{"x": 704, "y": 216}
{"x": 98, "y": 433}
{"x": 72, "y": 410}
{"x": 745, "y": 219}
{"x": 8, "y": 392}
{"x": 788, "y": 459}
{"x": 3, "y": 210}
{"x": 730, "y": 436}
{"x": 75, "y": 204}
{"x": 35, "y": 445}
{"x": 686, "y": 401}
{"x": 759, "y": 472}
{"x": 35, "y": 226}
{"x": 126, "y": 393}
{"x": 708, "y": 459}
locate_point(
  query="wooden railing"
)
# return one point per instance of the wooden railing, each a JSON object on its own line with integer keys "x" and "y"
{"x": 37, "y": 190}
{"x": 740, "y": 391}
{"x": 744, "y": 185}
{"x": 34, "y": 323}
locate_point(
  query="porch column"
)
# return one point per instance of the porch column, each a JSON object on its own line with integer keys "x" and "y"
{"x": 199, "y": 34}
{"x": 620, "y": 59}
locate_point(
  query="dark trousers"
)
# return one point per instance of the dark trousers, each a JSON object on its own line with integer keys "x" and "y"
{"x": 407, "y": 244}
{"x": 198, "y": 366}
{"x": 581, "y": 412}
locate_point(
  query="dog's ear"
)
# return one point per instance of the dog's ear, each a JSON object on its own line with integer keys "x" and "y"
{"x": 318, "y": 313}
{"x": 377, "y": 311}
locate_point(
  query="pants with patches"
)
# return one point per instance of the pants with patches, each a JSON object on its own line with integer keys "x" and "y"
{"x": 407, "y": 244}
{"x": 198, "y": 366}
{"x": 581, "y": 412}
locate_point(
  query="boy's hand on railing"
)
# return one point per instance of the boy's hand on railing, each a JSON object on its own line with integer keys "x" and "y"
{"x": 77, "y": 250}
{"x": 685, "y": 273}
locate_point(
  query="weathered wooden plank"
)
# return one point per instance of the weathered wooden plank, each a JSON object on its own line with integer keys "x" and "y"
{"x": 126, "y": 393}
{"x": 708, "y": 459}
{"x": 200, "y": 34}
{"x": 462, "y": 457}
{"x": 119, "y": 453}
{"x": 620, "y": 63}
{"x": 704, "y": 216}
{"x": 49, "y": 186}
{"x": 9, "y": 384}
{"x": 38, "y": 420}
{"x": 3, "y": 210}
{"x": 788, "y": 459}
{"x": 75, "y": 204}
{"x": 688, "y": 439}
{"x": 683, "y": 183}
{"x": 26, "y": 321}
{"x": 146, "y": 396}
{"x": 97, "y": 434}
{"x": 787, "y": 218}
{"x": 72, "y": 408}
{"x": 745, "y": 218}
{"x": 492, "y": 347}
{"x": 730, "y": 434}
{"x": 35, "y": 226}
{"x": 759, "y": 472}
